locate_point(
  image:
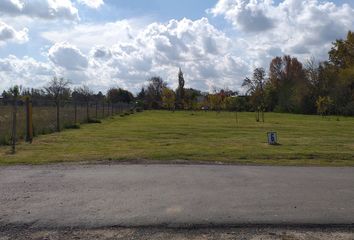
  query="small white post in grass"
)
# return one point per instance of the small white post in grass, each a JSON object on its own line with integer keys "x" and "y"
{"x": 272, "y": 138}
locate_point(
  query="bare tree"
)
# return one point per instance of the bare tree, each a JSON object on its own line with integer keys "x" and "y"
{"x": 57, "y": 89}
{"x": 85, "y": 93}
{"x": 255, "y": 87}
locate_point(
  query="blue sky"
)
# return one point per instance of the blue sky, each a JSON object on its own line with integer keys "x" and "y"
{"x": 105, "y": 43}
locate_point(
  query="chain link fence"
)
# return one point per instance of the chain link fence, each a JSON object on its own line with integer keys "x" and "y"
{"x": 46, "y": 116}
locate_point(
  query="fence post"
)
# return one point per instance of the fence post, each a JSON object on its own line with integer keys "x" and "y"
{"x": 87, "y": 111}
{"x": 103, "y": 110}
{"x": 14, "y": 122}
{"x": 75, "y": 110}
{"x": 29, "y": 120}
{"x": 57, "y": 102}
{"x": 112, "y": 109}
{"x": 108, "y": 107}
{"x": 96, "y": 110}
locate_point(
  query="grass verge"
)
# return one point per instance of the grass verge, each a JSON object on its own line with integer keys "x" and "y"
{"x": 198, "y": 136}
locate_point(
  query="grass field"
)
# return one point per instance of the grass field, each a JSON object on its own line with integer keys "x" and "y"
{"x": 200, "y": 136}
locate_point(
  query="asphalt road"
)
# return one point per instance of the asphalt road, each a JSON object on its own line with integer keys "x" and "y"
{"x": 93, "y": 196}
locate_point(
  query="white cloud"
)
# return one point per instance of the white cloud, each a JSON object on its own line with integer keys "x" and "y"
{"x": 126, "y": 54}
{"x": 8, "y": 33}
{"x": 68, "y": 57}
{"x": 92, "y": 3}
{"x": 24, "y": 71}
{"x": 85, "y": 36}
{"x": 298, "y": 27}
{"x": 246, "y": 15}
{"x": 46, "y": 9}
{"x": 160, "y": 49}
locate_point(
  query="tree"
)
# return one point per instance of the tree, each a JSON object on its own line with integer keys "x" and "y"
{"x": 324, "y": 105}
{"x": 255, "y": 87}
{"x": 215, "y": 101}
{"x": 180, "y": 90}
{"x": 191, "y": 98}
{"x": 288, "y": 87}
{"x": 84, "y": 94}
{"x": 154, "y": 92}
{"x": 341, "y": 63}
{"x": 168, "y": 98}
{"x": 116, "y": 95}
{"x": 58, "y": 89}
{"x": 341, "y": 54}
{"x": 141, "y": 98}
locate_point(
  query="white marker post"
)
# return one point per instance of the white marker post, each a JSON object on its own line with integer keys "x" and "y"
{"x": 272, "y": 138}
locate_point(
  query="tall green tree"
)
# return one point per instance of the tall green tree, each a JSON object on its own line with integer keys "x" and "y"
{"x": 180, "y": 90}
{"x": 288, "y": 88}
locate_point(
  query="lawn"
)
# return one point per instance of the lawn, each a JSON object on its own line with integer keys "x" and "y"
{"x": 198, "y": 136}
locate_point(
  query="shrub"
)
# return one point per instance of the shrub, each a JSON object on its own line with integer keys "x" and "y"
{"x": 72, "y": 126}
{"x": 93, "y": 121}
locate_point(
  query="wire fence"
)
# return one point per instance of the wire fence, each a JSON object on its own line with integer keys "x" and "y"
{"x": 25, "y": 119}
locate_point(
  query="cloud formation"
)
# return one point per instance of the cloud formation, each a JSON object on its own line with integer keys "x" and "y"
{"x": 8, "y": 33}
{"x": 24, "y": 71}
{"x": 68, "y": 57}
{"x": 248, "y": 16}
{"x": 45, "y": 9}
{"x": 92, "y": 3}
{"x": 305, "y": 27}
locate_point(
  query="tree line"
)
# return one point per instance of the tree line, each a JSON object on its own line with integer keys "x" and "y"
{"x": 58, "y": 90}
{"x": 314, "y": 87}
{"x": 287, "y": 86}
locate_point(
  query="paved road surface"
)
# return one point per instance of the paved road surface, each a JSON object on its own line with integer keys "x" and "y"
{"x": 174, "y": 195}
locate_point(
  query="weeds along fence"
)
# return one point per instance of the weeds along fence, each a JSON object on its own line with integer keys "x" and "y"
{"x": 37, "y": 116}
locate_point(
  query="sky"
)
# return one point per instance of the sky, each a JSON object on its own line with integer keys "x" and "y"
{"x": 122, "y": 43}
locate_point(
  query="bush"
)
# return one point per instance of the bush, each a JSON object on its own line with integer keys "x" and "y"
{"x": 349, "y": 109}
{"x": 72, "y": 126}
{"x": 93, "y": 121}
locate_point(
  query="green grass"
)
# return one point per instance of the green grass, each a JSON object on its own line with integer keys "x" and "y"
{"x": 201, "y": 136}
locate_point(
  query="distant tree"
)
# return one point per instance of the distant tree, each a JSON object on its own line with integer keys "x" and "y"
{"x": 141, "y": 98}
{"x": 84, "y": 94}
{"x": 116, "y": 95}
{"x": 288, "y": 85}
{"x": 342, "y": 52}
{"x": 154, "y": 92}
{"x": 324, "y": 105}
{"x": 191, "y": 98}
{"x": 168, "y": 98}
{"x": 99, "y": 97}
{"x": 215, "y": 101}
{"x": 180, "y": 90}
{"x": 338, "y": 75}
{"x": 255, "y": 86}
{"x": 58, "y": 89}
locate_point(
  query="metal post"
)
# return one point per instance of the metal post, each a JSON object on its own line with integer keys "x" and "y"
{"x": 14, "y": 122}
{"x": 103, "y": 110}
{"x": 29, "y": 120}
